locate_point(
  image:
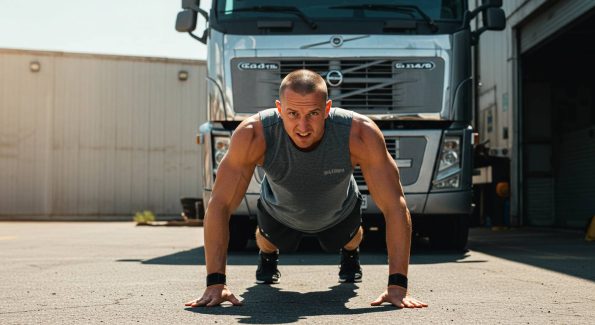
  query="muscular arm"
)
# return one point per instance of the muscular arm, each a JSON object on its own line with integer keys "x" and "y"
{"x": 382, "y": 176}
{"x": 246, "y": 150}
{"x": 380, "y": 171}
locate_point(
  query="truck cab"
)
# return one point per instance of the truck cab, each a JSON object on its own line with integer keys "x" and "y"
{"x": 405, "y": 64}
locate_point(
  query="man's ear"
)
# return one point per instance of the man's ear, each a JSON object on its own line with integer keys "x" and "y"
{"x": 327, "y": 108}
{"x": 278, "y": 104}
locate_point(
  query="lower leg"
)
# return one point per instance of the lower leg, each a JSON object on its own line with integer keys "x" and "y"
{"x": 264, "y": 244}
{"x": 350, "y": 270}
{"x": 353, "y": 244}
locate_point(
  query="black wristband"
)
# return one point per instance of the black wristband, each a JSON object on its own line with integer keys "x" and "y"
{"x": 215, "y": 278}
{"x": 398, "y": 279}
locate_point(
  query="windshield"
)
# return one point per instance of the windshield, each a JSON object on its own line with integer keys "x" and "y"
{"x": 316, "y": 10}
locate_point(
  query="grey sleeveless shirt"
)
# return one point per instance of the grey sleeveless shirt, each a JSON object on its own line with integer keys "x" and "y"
{"x": 308, "y": 191}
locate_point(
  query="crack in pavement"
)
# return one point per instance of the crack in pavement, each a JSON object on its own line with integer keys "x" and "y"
{"x": 116, "y": 302}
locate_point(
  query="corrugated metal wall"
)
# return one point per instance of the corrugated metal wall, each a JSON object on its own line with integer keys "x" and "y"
{"x": 91, "y": 136}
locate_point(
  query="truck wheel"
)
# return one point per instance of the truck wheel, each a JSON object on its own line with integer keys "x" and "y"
{"x": 240, "y": 230}
{"x": 450, "y": 232}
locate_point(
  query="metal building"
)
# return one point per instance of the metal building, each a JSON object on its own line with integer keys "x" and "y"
{"x": 96, "y": 136}
{"x": 536, "y": 105}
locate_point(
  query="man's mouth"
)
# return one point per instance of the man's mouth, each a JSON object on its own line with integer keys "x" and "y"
{"x": 303, "y": 134}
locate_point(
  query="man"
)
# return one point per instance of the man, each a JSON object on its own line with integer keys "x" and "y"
{"x": 308, "y": 152}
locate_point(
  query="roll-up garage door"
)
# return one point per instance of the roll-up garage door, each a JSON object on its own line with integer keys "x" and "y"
{"x": 575, "y": 181}
{"x": 558, "y": 114}
{"x": 551, "y": 20}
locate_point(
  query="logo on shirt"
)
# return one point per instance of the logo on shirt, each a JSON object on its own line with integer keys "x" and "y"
{"x": 334, "y": 171}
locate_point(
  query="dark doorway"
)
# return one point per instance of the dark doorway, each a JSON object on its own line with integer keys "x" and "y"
{"x": 558, "y": 127}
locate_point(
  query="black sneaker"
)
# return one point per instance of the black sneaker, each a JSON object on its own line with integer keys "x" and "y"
{"x": 267, "y": 271}
{"x": 350, "y": 269}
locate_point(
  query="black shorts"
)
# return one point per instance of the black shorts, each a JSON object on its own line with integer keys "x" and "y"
{"x": 288, "y": 239}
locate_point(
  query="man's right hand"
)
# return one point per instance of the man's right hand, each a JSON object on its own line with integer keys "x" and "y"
{"x": 213, "y": 296}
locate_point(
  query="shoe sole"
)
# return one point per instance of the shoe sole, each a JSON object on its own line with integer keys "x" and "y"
{"x": 267, "y": 282}
{"x": 350, "y": 280}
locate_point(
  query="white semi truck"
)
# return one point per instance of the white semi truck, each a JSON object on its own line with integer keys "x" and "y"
{"x": 405, "y": 64}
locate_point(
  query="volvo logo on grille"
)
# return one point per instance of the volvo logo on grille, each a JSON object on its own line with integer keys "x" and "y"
{"x": 258, "y": 66}
{"x": 334, "y": 78}
{"x": 337, "y": 41}
{"x": 415, "y": 65}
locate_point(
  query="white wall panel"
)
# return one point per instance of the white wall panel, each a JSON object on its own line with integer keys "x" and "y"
{"x": 98, "y": 136}
{"x": 25, "y": 112}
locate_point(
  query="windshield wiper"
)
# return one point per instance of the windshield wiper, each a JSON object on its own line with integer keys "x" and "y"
{"x": 396, "y": 8}
{"x": 281, "y": 9}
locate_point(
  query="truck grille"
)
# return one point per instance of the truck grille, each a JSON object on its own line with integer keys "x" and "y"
{"x": 368, "y": 85}
{"x": 410, "y": 148}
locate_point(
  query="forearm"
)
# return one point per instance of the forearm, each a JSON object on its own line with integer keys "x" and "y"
{"x": 216, "y": 236}
{"x": 398, "y": 238}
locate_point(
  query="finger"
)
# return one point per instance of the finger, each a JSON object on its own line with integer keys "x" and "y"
{"x": 421, "y": 304}
{"x": 189, "y": 303}
{"x": 214, "y": 302}
{"x": 192, "y": 302}
{"x": 408, "y": 304}
{"x": 418, "y": 304}
{"x": 415, "y": 304}
{"x": 234, "y": 300}
{"x": 378, "y": 301}
{"x": 201, "y": 302}
{"x": 397, "y": 304}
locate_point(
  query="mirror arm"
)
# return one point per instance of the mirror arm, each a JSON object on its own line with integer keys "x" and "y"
{"x": 202, "y": 12}
{"x": 475, "y": 35}
{"x": 202, "y": 39}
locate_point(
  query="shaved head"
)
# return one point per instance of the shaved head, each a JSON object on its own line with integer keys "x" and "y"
{"x": 303, "y": 82}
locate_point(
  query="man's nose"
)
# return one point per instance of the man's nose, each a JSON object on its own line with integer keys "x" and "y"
{"x": 303, "y": 124}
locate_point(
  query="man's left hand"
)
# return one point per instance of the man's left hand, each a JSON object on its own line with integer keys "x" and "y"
{"x": 398, "y": 297}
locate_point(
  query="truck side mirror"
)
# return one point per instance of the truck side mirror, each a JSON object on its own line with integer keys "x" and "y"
{"x": 186, "y": 21}
{"x": 494, "y": 19}
{"x": 492, "y": 3}
{"x": 190, "y": 4}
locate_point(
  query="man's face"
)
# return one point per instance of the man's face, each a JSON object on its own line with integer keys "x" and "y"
{"x": 303, "y": 116}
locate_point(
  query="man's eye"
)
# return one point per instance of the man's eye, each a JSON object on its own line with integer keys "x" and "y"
{"x": 313, "y": 114}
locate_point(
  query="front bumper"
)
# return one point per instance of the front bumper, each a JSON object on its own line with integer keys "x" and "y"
{"x": 436, "y": 203}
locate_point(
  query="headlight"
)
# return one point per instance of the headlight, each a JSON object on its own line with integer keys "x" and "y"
{"x": 451, "y": 151}
{"x": 220, "y": 147}
{"x": 448, "y": 174}
{"x": 448, "y": 183}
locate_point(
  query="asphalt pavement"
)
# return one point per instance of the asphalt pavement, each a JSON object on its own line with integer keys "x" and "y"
{"x": 116, "y": 272}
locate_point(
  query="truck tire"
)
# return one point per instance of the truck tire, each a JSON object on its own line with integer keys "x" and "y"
{"x": 450, "y": 232}
{"x": 240, "y": 230}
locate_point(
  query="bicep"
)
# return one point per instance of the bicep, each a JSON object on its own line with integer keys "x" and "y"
{"x": 231, "y": 182}
{"x": 382, "y": 178}
{"x": 380, "y": 170}
{"x": 235, "y": 171}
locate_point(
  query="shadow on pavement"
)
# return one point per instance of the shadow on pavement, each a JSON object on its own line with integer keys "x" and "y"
{"x": 560, "y": 251}
{"x": 264, "y": 304}
{"x": 310, "y": 253}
